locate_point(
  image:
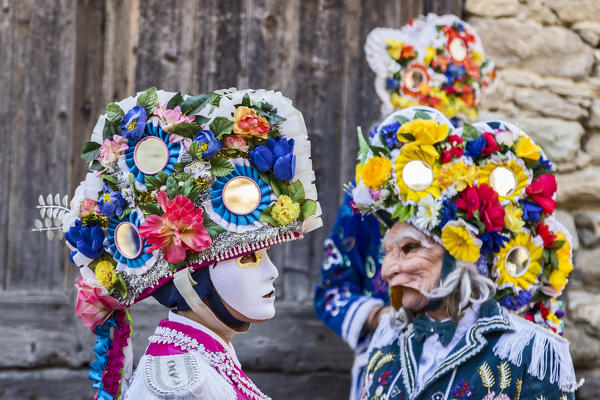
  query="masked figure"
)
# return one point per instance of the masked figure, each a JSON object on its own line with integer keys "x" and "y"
{"x": 431, "y": 61}
{"x": 190, "y": 193}
{"x": 475, "y": 261}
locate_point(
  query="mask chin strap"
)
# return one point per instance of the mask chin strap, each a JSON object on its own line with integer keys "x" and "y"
{"x": 184, "y": 283}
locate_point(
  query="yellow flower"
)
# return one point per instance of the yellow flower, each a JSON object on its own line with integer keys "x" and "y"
{"x": 106, "y": 274}
{"x": 460, "y": 242}
{"x": 429, "y": 55}
{"x": 521, "y": 179}
{"x": 512, "y": 218}
{"x": 526, "y": 149}
{"x": 476, "y": 56}
{"x": 564, "y": 255}
{"x": 358, "y": 173}
{"x": 557, "y": 279}
{"x": 425, "y": 131}
{"x": 285, "y": 210}
{"x": 248, "y": 123}
{"x": 519, "y": 276}
{"x": 422, "y": 177}
{"x": 376, "y": 172}
{"x": 458, "y": 174}
{"x": 394, "y": 48}
{"x": 402, "y": 101}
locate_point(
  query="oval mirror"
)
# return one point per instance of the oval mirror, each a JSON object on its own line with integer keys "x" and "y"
{"x": 151, "y": 155}
{"x": 458, "y": 49}
{"x": 413, "y": 78}
{"x": 517, "y": 261}
{"x": 503, "y": 181}
{"x": 128, "y": 240}
{"x": 417, "y": 175}
{"x": 241, "y": 195}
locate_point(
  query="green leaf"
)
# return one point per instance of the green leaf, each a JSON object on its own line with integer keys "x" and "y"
{"x": 90, "y": 151}
{"x": 195, "y": 150}
{"x": 213, "y": 229}
{"x": 214, "y": 99}
{"x": 96, "y": 166}
{"x": 151, "y": 208}
{"x": 194, "y": 104}
{"x": 558, "y": 244}
{"x": 380, "y": 151}
{"x": 195, "y": 192}
{"x": 172, "y": 188}
{"x": 121, "y": 286}
{"x": 186, "y": 129}
{"x": 155, "y": 182}
{"x": 266, "y": 216}
{"x": 220, "y": 166}
{"x": 408, "y": 136}
{"x": 200, "y": 120}
{"x": 553, "y": 259}
{"x": 180, "y": 166}
{"x": 246, "y": 100}
{"x": 132, "y": 184}
{"x": 109, "y": 178}
{"x": 363, "y": 146}
{"x": 109, "y": 130}
{"x": 296, "y": 192}
{"x": 308, "y": 208}
{"x": 402, "y": 213}
{"x": 470, "y": 132}
{"x": 148, "y": 100}
{"x": 221, "y": 126}
{"x": 114, "y": 113}
{"x": 401, "y": 119}
{"x": 175, "y": 101}
{"x": 422, "y": 115}
{"x": 187, "y": 187}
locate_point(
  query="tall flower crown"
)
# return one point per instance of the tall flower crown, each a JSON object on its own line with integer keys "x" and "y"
{"x": 485, "y": 192}
{"x": 178, "y": 181}
{"x": 435, "y": 61}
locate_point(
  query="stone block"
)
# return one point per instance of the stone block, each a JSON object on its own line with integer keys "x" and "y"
{"x": 589, "y": 31}
{"x": 548, "y": 104}
{"x": 572, "y": 11}
{"x": 579, "y": 187}
{"x": 594, "y": 120}
{"x": 497, "y": 8}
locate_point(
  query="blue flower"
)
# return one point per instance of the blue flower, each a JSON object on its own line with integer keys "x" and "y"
{"x": 284, "y": 166}
{"x": 206, "y": 136}
{"x": 474, "y": 147}
{"x": 459, "y": 26}
{"x": 392, "y": 84}
{"x": 531, "y": 211}
{"x": 262, "y": 158}
{"x": 389, "y": 134}
{"x": 87, "y": 239}
{"x": 448, "y": 213}
{"x": 514, "y": 303}
{"x": 111, "y": 202}
{"x": 454, "y": 72}
{"x": 482, "y": 266}
{"x": 132, "y": 124}
{"x": 373, "y": 132}
{"x": 545, "y": 163}
{"x": 492, "y": 242}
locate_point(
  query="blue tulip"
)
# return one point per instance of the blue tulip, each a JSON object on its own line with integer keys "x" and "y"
{"x": 285, "y": 167}
{"x": 87, "y": 239}
{"x": 531, "y": 211}
{"x": 474, "y": 147}
{"x": 111, "y": 202}
{"x": 212, "y": 144}
{"x": 262, "y": 158}
{"x": 133, "y": 123}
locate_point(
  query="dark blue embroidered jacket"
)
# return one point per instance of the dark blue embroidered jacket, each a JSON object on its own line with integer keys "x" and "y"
{"x": 501, "y": 357}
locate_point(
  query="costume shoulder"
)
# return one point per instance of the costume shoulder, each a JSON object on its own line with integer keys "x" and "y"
{"x": 544, "y": 354}
{"x": 184, "y": 376}
{"x": 387, "y": 331}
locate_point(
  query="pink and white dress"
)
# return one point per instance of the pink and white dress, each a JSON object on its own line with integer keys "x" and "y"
{"x": 186, "y": 361}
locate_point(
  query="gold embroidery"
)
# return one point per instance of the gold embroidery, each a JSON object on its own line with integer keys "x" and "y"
{"x": 383, "y": 360}
{"x": 373, "y": 360}
{"x": 487, "y": 378}
{"x": 504, "y": 376}
{"x": 519, "y": 383}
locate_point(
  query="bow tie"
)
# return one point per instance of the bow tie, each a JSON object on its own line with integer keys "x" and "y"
{"x": 424, "y": 327}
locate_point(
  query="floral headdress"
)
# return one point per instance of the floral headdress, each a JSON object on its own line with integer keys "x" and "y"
{"x": 435, "y": 61}
{"x": 178, "y": 181}
{"x": 485, "y": 192}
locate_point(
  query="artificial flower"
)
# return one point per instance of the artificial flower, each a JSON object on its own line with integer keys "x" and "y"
{"x": 388, "y": 132}
{"x": 505, "y": 138}
{"x": 458, "y": 174}
{"x": 376, "y": 171}
{"x": 476, "y": 56}
{"x": 531, "y": 211}
{"x": 425, "y": 131}
{"x": 521, "y": 179}
{"x": 454, "y": 72}
{"x": 460, "y": 242}
{"x": 106, "y": 274}
{"x": 87, "y": 207}
{"x": 457, "y": 151}
{"x": 284, "y": 210}
{"x": 564, "y": 255}
{"x": 490, "y": 144}
{"x": 171, "y": 118}
{"x": 472, "y": 69}
{"x": 468, "y": 201}
{"x": 428, "y": 158}
{"x": 111, "y": 149}
{"x": 519, "y": 276}
{"x": 491, "y": 212}
{"x": 392, "y": 84}
{"x": 178, "y": 230}
{"x": 512, "y": 218}
{"x": 448, "y": 212}
{"x": 515, "y": 303}
{"x": 430, "y": 53}
{"x": 111, "y": 202}
{"x": 525, "y": 148}
{"x": 445, "y": 156}
{"x": 492, "y": 242}
{"x": 247, "y": 123}
{"x": 440, "y": 62}
{"x": 133, "y": 123}
{"x": 428, "y": 210}
{"x": 262, "y": 158}
{"x": 284, "y": 165}
{"x": 399, "y": 50}
{"x": 546, "y": 234}
{"x": 209, "y": 146}
{"x": 236, "y": 142}
{"x": 474, "y": 147}
{"x": 558, "y": 280}
{"x": 85, "y": 239}
{"x": 542, "y": 190}
{"x": 94, "y": 304}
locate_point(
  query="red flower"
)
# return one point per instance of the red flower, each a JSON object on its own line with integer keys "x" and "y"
{"x": 490, "y": 144}
{"x": 455, "y": 139}
{"x": 468, "y": 201}
{"x": 445, "y": 156}
{"x": 457, "y": 151}
{"x": 547, "y": 235}
{"x": 541, "y": 191}
{"x": 490, "y": 211}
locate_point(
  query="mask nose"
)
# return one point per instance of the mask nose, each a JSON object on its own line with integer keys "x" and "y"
{"x": 270, "y": 270}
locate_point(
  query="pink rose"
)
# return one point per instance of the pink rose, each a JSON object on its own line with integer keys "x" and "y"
{"x": 236, "y": 142}
{"x": 87, "y": 207}
{"x": 111, "y": 149}
{"x": 171, "y": 118}
{"x": 94, "y": 304}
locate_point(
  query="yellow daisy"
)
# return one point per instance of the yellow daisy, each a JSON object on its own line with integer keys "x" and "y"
{"x": 417, "y": 172}
{"x": 520, "y": 268}
{"x": 460, "y": 242}
{"x": 508, "y": 179}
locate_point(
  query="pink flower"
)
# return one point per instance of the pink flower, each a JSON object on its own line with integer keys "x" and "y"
{"x": 171, "y": 118}
{"x": 87, "y": 207}
{"x": 111, "y": 149}
{"x": 177, "y": 230}
{"x": 236, "y": 142}
{"x": 94, "y": 304}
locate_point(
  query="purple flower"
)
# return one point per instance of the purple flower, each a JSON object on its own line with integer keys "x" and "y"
{"x": 514, "y": 303}
{"x": 448, "y": 213}
{"x": 87, "y": 239}
{"x": 492, "y": 242}
{"x": 531, "y": 211}
{"x": 474, "y": 147}
{"x": 206, "y": 136}
{"x": 111, "y": 202}
{"x": 133, "y": 123}
{"x": 389, "y": 134}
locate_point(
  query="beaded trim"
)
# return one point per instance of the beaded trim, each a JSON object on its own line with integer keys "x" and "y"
{"x": 221, "y": 361}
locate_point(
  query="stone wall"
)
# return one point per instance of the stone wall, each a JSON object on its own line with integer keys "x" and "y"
{"x": 547, "y": 54}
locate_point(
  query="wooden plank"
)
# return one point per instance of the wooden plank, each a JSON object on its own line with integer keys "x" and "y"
{"x": 40, "y": 145}
{"x": 444, "y": 7}
{"x": 47, "y": 384}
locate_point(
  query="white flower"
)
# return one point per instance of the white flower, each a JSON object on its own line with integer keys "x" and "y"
{"x": 362, "y": 195}
{"x": 428, "y": 212}
{"x": 505, "y": 137}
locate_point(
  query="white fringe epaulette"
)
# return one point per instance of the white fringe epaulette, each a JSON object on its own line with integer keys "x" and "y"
{"x": 387, "y": 331}
{"x": 549, "y": 353}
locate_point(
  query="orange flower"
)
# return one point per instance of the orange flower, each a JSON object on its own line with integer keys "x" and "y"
{"x": 408, "y": 52}
{"x": 248, "y": 123}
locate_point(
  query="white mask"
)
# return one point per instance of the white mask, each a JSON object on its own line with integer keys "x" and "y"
{"x": 247, "y": 287}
